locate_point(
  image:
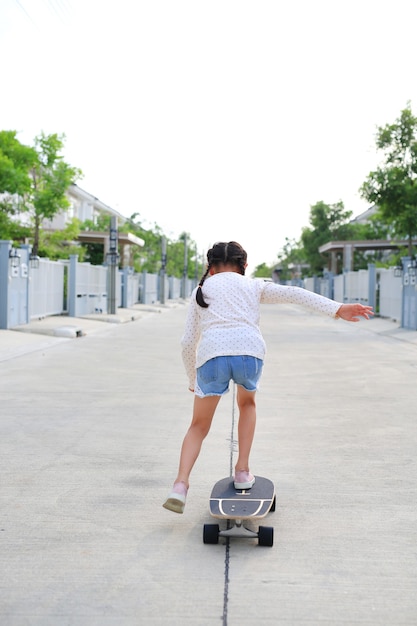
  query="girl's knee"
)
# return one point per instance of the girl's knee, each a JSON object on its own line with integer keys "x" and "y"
{"x": 245, "y": 400}
{"x": 201, "y": 426}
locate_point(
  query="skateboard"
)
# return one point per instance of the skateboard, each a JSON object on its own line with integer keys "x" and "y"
{"x": 238, "y": 505}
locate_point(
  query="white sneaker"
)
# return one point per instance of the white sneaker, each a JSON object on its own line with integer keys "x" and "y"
{"x": 244, "y": 480}
{"x": 176, "y": 499}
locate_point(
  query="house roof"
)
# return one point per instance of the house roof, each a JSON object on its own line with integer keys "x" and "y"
{"x": 90, "y": 236}
{"x": 363, "y": 217}
{"x": 366, "y": 244}
{"x": 81, "y": 194}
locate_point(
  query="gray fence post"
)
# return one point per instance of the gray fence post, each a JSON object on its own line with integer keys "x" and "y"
{"x": 125, "y": 287}
{"x": 5, "y": 247}
{"x": 162, "y": 272}
{"x": 185, "y": 270}
{"x": 143, "y": 290}
{"x": 372, "y": 285}
{"x": 409, "y": 300}
{"x": 72, "y": 286}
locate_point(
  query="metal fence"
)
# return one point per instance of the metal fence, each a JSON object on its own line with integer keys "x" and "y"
{"x": 79, "y": 289}
{"x": 382, "y": 288}
{"x": 74, "y": 288}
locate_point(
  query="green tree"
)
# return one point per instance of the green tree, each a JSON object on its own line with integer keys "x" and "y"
{"x": 263, "y": 271}
{"x": 51, "y": 177}
{"x": 176, "y": 258}
{"x": 32, "y": 180}
{"x": 149, "y": 258}
{"x": 292, "y": 260}
{"x": 16, "y": 160}
{"x": 329, "y": 222}
{"x": 392, "y": 187}
{"x": 59, "y": 244}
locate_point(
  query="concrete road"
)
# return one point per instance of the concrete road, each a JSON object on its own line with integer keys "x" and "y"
{"x": 90, "y": 434}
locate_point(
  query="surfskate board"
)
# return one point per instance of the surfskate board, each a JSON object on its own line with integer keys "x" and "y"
{"x": 236, "y": 506}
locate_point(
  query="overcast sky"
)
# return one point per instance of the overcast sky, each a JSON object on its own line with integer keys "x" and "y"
{"x": 225, "y": 119}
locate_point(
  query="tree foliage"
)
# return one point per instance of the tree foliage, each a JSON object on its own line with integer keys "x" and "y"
{"x": 60, "y": 244}
{"x": 51, "y": 179}
{"x": 263, "y": 271}
{"x": 33, "y": 180}
{"x": 292, "y": 261}
{"x": 328, "y": 222}
{"x": 16, "y": 162}
{"x": 12, "y": 229}
{"x": 149, "y": 258}
{"x": 393, "y": 185}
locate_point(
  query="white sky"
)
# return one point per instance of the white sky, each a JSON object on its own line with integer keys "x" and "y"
{"x": 226, "y": 119}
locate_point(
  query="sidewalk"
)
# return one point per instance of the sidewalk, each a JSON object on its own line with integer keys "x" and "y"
{"x": 91, "y": 427}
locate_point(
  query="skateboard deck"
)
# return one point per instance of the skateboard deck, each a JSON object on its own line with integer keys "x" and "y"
{"x": 237, "y": 505}
{"x": 226, "y": 502}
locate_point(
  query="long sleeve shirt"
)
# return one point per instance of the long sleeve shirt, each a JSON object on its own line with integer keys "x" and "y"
{"x": 229, "y": 326}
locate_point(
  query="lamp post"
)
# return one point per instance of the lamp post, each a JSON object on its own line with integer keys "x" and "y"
{"x": 112, "y": 259}
{"x": 185, "y": 269}
{"x": 163, "y": 269}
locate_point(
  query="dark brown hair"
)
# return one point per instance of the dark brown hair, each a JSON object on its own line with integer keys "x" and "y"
{"x": 222, "y": 253}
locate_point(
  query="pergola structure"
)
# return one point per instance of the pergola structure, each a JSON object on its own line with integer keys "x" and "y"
{"x": 348, "y": 249}
{"x": 125, "y": 240}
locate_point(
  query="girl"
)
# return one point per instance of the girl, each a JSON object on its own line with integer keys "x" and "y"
{"x": 223, "y": 342}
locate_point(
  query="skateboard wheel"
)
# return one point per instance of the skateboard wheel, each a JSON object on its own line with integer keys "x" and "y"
{"x": 266, "y": 536}
{"x": 211, "y": 533}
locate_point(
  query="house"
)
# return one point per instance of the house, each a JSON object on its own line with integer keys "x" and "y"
{"x": 363, "y": 218}
{"x": 84, "y": 206}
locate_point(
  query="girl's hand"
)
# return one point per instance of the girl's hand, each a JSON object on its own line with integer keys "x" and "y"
{"x": 353, "y": 312}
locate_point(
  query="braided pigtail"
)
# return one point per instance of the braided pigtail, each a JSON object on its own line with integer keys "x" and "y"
{"x": 242, "y": 266}
{"x": 199, "y": 293}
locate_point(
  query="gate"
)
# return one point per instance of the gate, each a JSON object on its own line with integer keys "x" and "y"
{"x": 46, "y": 289}
{"x": 87, "y": 288}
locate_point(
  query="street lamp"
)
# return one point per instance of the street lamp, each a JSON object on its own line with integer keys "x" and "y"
{"x": 412, "y": 267}
{"x": 34, "y": 261}
{"x": 14, "y": 257}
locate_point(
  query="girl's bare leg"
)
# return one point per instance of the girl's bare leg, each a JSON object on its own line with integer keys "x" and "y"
{"x": 203, "y": 412}
{"x": 246, "y": 426}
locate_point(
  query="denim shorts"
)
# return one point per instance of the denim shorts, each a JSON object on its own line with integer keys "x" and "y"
{"x": 214, "y": 376}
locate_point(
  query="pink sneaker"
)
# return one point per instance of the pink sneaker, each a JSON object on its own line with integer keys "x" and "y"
{"x": 244, "y": 480}
{"x": 176, "y": 499}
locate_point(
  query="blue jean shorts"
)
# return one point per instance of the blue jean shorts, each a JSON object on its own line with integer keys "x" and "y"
{"x": 214, "y": 376}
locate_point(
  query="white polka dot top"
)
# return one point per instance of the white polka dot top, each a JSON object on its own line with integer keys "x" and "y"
{"x": 229, "y": 326}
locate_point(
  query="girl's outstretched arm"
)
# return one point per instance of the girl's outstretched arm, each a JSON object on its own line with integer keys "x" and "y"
{"x": 353, "y": 312}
